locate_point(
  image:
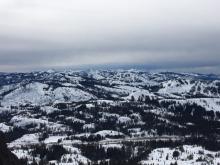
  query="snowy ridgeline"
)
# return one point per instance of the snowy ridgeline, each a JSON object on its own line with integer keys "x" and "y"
{"x": 43, "y": 88}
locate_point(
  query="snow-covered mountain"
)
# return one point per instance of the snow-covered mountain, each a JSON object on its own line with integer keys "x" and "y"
{"x": 43, "y": 88}
{"x": 109, "y": 112}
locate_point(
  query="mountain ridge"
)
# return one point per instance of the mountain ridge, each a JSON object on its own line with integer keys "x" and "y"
{"x": 87, "y": 116}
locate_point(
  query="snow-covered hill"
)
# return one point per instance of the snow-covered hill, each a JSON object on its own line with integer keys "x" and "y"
{"x": 68, "y": 86}
{"x": 109, "y": 112}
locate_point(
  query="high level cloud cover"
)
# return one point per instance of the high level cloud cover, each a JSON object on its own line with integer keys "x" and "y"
{"x": 39, "y": 34}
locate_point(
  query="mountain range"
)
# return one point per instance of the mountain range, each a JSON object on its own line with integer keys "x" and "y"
{"x": 51, "y": 117}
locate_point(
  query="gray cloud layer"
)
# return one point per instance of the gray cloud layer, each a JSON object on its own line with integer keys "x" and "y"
{"x": 36, "y": 34}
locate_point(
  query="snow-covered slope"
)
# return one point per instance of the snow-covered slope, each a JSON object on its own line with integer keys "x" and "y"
{"x": 41, "y": 94}
{"x": 41, "y": 88}
{"x": 183, "y": 155}
{"x": 110, "y": 112}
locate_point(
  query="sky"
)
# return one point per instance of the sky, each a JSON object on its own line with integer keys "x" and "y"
{"x": 177, "y": 35}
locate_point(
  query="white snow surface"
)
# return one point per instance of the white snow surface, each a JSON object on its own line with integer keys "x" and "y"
{"x": 187, "y": 155}
{"x": 124, "y": 120}
{"x": 105, "y": 133}
{"x": 5, "y": 128}
{"x": 40, "y": 94}
{"x": 26, "y": 139}
{"x": 21, "y": 121}
{"x": 53, "y": 139}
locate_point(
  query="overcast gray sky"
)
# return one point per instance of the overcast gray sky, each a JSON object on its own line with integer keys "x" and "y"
{"x": 159, "y": 34}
